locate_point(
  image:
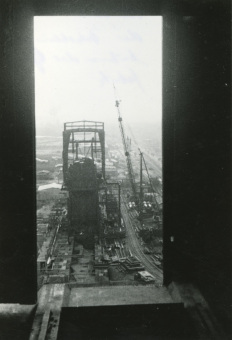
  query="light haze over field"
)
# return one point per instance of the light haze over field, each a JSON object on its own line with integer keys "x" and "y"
{"x": 77, "y": 60}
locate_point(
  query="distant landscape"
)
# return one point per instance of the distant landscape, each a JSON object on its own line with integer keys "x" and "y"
{"x": 142, "y": 132}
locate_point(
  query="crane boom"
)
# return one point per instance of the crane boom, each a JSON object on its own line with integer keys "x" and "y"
{"x": 127, "y": 154}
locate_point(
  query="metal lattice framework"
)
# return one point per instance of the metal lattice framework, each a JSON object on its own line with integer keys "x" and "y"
{"x": 127, "y": 154}
{"x": 83, "y": 139}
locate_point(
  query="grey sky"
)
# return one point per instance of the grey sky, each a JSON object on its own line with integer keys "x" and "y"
{"x": 77, "y": 60}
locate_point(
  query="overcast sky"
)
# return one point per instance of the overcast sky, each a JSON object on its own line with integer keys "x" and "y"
{"x": 77, "y": 60}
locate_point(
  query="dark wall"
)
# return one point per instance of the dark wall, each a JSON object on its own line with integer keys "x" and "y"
{"x": 17, "y": 133}
{"x": 17, "y": 162}
{"x": 196, "y": 141}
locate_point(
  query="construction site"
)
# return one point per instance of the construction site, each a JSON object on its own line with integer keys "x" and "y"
{"x": 117, "y": 238}
{"x": 100, "y": 242}
{"x": 96, "y": 229}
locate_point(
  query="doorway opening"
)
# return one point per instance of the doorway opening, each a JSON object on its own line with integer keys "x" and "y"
{"x": 98, "y": 95}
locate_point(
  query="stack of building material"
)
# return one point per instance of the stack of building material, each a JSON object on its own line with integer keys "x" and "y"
{"x": 132, "y": 264}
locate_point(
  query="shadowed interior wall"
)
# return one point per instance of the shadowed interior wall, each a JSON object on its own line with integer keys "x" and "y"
{"x": 196, "y": 141}
{"x": 17, "y": 149}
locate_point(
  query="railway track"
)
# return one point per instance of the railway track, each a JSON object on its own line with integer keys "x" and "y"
{"x": 135, "y": 247}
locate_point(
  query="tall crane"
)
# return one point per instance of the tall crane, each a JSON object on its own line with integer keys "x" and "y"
{"x": 127, "y": 154}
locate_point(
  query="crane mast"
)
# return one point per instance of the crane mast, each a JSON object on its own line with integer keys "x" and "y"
{"x": 127, "y": 154}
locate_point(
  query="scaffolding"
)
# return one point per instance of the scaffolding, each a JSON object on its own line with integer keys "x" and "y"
{"x": 83, "y": 139}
